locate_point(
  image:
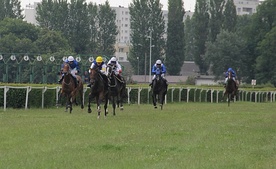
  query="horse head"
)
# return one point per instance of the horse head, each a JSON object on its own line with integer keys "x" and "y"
{"x": 66, "y": 68}
{"x": 94, "y": 72}
{"x": 230, "y": 75}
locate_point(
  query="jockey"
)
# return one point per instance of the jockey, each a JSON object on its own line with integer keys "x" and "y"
{"x": 99, "y": 63}
{"x": 74, "y": 69}
{"x": 158, "y": 68}
{"x": 233, "y": 75}
{"x": 118, "y": 70}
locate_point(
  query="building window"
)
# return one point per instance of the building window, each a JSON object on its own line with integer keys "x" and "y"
{"x": 121, "y": 58}
{"x": 126, "y": 25}
{"x": 121, "y": 49}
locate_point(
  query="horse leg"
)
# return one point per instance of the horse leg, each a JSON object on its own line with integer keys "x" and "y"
{"x": 113, "y": 104}
{"x": 70, "y": 106}
{"x": 81, "y": 98}
{"x": 120, "y": 100}
{"x": 229, "y": 99}
{"x": 162, "y": 97}
{"x": 105, "y": 105}
{"x": 89, "y": 101}
{"x": 98, "y": 100}
{"x": 154, "y": 100}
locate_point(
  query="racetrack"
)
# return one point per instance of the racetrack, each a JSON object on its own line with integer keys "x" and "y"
{"x": 182, "y": 135}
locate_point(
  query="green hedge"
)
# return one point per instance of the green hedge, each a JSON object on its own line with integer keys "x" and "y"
{"x": 16, "y": 96}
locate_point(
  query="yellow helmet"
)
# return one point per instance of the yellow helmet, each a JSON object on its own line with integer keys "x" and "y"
{"x": 99, "y": 59}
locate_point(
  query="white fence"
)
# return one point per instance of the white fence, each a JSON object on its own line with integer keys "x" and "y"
{"x": 184, "y": 95}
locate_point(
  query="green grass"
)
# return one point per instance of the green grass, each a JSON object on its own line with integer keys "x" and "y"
{"x": 193, "y": 135}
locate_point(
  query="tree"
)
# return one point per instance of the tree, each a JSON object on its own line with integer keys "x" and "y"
{"x": 230, "y": 16}
{"x": 175, "y": 42}
{"x": 216, "y": 18}
{"x": 262, "y": 22}
{"x": 17, "y": 36}
{"x": 228, "y": 50}
{"x": 200, "y": 23}
{"x": 157, "y": 28}
{"x": 93, "y": 22}
{"x": 78, "y": 26}
{"x": 107, "y": 30}
{"x": 52, "y": 42}
{"x": 189, "y": 39}
{"x": 147, "y": 23}
{"x": 265, "y": 67}
{"x": 10, "y": 9}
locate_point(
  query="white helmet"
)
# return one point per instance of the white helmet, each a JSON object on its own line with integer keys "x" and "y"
{"x": 70, "y": 58}
{"x": 113, "y": 59}
{"x": 158, "y": 62}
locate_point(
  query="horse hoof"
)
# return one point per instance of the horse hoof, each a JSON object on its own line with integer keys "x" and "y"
{"x": 89, "y": 111}
{"x": 155, "y": 107}
{"x": 121, "y": 108}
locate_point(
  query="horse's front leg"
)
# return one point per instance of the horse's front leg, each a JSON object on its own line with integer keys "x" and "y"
{"x": 161, "y": 99}
{"x": 89, "y": 102}
{"x": 105, "y": 105}
{"x": 113, "y": 104}
{"x": 98, "y": 101}
{"x": 120, "y": 101}
{"x": 154, "y": 100}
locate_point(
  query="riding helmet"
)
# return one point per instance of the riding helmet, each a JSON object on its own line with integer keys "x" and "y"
{"x": 70, "y": 58}
{"x": 99, "y": 59}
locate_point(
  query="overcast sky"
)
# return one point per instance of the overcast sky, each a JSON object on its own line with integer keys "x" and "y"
{"x": 188, "y": 4}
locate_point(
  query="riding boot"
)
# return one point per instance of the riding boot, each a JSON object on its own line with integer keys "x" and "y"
{"x": 60, "y": 80}
{"x": 166, "y": 82}
{"x": 89, "y": 85}
{"x": 151, "y": 83}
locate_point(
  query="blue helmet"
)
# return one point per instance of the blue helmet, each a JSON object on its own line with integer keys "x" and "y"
{"x": 230, "y": 69}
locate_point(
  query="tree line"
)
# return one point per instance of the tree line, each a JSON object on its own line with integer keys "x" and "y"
{"x": 215, "y": 37}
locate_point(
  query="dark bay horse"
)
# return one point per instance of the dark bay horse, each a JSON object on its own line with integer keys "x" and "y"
{"x": 98, "y": 90}
{"x": 117, "y": 88}
{"x": 230, "y": 88}
{"x": 69, "y": 90}
{"x": 159, "y": 91}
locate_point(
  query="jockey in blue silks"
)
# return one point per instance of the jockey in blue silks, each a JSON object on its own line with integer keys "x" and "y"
{"x": 233, "y": 75}
{"x": 158, "y": 68}
{"x": 74, "y": 68}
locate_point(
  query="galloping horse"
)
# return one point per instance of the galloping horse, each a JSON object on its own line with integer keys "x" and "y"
{"x": 230, "y": 88}
{"x": 117, "y": 88}
{"x": 68, "y": 88}
{"x": 159, "y": 90}
{"x": 98, "y": 90}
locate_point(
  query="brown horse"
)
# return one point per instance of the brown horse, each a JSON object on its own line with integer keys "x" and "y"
{"x": 98, "y": 90}
{"x": 230, "y": 88}
{"x": 69, "y": 90}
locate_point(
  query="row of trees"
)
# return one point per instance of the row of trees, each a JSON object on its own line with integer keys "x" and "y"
{"x": 215, "y": 37}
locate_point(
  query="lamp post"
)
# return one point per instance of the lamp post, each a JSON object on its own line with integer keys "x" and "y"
{"x": 150, "y": 60}
{"x": 138, "y": 66}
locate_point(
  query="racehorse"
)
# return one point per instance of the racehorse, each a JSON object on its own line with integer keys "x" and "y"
{"x": 69, "y": 90}
{"x": 230, "y": 88}
{"x": 117, "y": 88}
{"x": 98, "y": 90}
{"x": 159, "y": 90}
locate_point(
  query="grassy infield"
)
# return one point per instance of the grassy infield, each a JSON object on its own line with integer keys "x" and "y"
{"x": 193, "y": 135}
